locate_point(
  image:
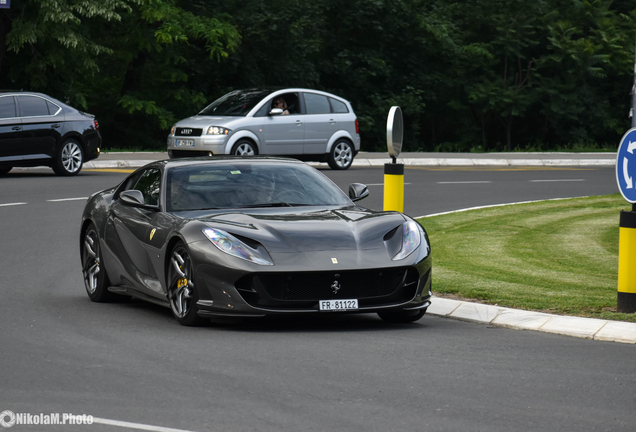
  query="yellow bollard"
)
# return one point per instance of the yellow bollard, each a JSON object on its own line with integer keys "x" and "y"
{"x": 626, "y": 302}
{"x": 394, "y": 187}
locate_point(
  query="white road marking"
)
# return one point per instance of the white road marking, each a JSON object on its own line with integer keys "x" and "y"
{"x": 463, "y": 182}
{"x": 489, "y": 206}
{"x": 68, "y": 199}
{"x": 139, "y": 426}
{"x": 558, "y": 180}
{"x": 12, "y": 204}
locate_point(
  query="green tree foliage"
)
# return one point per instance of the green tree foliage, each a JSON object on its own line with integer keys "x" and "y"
{"x": 468, "y": 74}
{"x": 127, "y": 61}
{"x": 45, "y": 44}
{"x": 545, "y": 73}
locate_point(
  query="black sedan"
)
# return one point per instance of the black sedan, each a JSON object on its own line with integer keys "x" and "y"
{"x": 38, "y": 130}
{"x": 251, "y": 236}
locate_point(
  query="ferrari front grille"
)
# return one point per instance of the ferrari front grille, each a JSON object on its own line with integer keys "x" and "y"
{"x": 314, "y": 286}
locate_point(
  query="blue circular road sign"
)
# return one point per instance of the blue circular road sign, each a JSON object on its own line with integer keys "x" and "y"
{"x": 626, "y": 166}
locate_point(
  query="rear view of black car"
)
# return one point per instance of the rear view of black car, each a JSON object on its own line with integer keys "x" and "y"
{"x": 38, "y": 130}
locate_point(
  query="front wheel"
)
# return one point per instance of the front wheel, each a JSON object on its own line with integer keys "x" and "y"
{"x": 182, "y": 292}
{"x": 70, "y": 158}
{"x": 244, "y": 148}
{"x": 402, "y": 316}
{"x": 341, "y": 155}
{"x": 95, "y": 278}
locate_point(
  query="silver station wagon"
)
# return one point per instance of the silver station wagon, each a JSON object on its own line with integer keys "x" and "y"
{"x": 309, "y": 125}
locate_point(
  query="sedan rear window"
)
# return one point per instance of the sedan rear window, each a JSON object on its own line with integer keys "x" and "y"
{"x": 32, "y": 106}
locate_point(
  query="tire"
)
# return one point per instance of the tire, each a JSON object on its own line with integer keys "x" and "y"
{"x": 402, "y": 316}
{"x": 244, "y": 148}
{"x": 182, "y": 292}
{"x": 5, "y": 170}
{"x": 70, "y": 159}
{"x": 341, "y": 155}
{"x": 95, "y": 278}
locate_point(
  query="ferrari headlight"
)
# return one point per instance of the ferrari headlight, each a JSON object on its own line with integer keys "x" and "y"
{"x": 412, "y": 236}
{"x": 218, "y": 130}
{"x": 229, "y": 244}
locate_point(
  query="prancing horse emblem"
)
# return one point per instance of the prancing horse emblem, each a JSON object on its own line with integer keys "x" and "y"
{"x": 335, "y": 286}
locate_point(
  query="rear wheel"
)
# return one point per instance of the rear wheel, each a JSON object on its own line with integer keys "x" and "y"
{"x": 182, "y": 292}
{"x": 4, "y": 170}
{"x": 69, "y": 160}
{"x": 95, "y": 278}
{"x": 244, "y": 148}
{"x": 341, "y": 155}
{"x": 402, "y": 316}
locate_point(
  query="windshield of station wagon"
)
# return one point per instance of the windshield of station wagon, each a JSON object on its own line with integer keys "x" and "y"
{"x": 249, "y": 185}
{"x": 236, "y": 103}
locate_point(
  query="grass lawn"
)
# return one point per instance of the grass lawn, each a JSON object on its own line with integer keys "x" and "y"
{"x": 553, "y": 256}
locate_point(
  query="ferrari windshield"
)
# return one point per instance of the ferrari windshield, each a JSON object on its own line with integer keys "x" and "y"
{"x": 249, "y": 184}
{"x": 236, "y": 103}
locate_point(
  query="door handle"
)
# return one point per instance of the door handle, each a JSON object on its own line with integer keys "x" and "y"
{"x": 298, "y": 122}
{"x": 332, "y": 121}
{"x": 56, "y": 125}
{"x": 16, "y": 128}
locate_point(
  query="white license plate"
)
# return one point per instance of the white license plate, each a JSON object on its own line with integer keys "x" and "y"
{"x": 338, "y": 305}
{"x": 184, "y": 143}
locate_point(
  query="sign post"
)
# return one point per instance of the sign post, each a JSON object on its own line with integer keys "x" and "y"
{"x": 394, "y": 172}
{"x": 626, "y": 179}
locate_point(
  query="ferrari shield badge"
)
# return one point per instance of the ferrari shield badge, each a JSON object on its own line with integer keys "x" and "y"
{"x": 334, "y": 260}
{"x": 152, "y": 233}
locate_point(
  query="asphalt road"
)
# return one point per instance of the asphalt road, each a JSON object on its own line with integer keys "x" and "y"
{"x": 131, "y": 362}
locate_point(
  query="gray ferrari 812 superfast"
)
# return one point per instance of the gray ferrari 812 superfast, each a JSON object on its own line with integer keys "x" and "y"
{"x": 249, "y": 237}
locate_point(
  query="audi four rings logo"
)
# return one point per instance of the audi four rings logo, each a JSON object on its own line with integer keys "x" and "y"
{"x": 335, "y": 286}
{"x": 186, "y": 131}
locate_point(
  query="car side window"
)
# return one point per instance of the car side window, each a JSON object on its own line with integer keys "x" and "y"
{"x": 337, "y": 106}
{"x": 316, "y": 104}
{"x": 7, "y": 107}
{"x": 264, "y": 111}
{"x": 32, "y": 106}
{"x": 149, "y": 184}
{"x": 53, "y": 109}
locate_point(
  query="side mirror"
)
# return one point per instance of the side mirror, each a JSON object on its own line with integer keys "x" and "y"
{"x": 276, "y": 111}
{"x": 358, "y": 191}
{"x": 135, "y": 198}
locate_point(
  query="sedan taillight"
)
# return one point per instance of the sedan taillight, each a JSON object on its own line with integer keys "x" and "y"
{"x": 357, "y": 127}
{"x": 96, "y": 125}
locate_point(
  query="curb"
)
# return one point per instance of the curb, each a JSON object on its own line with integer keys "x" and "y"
{"x": 586, "y": 328}
{"x": 408, "y": 162}
{"x": 486, "y": 162}
{"x": 117, "y": 163}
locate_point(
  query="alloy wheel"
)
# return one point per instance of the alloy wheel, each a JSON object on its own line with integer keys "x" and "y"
{"x": 71, "y": 157}
{"x": 182, "y": 288}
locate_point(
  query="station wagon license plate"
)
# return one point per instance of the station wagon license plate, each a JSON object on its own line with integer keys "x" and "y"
{"x": 338, "y": 305}
{"x": 184, "y": 143}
